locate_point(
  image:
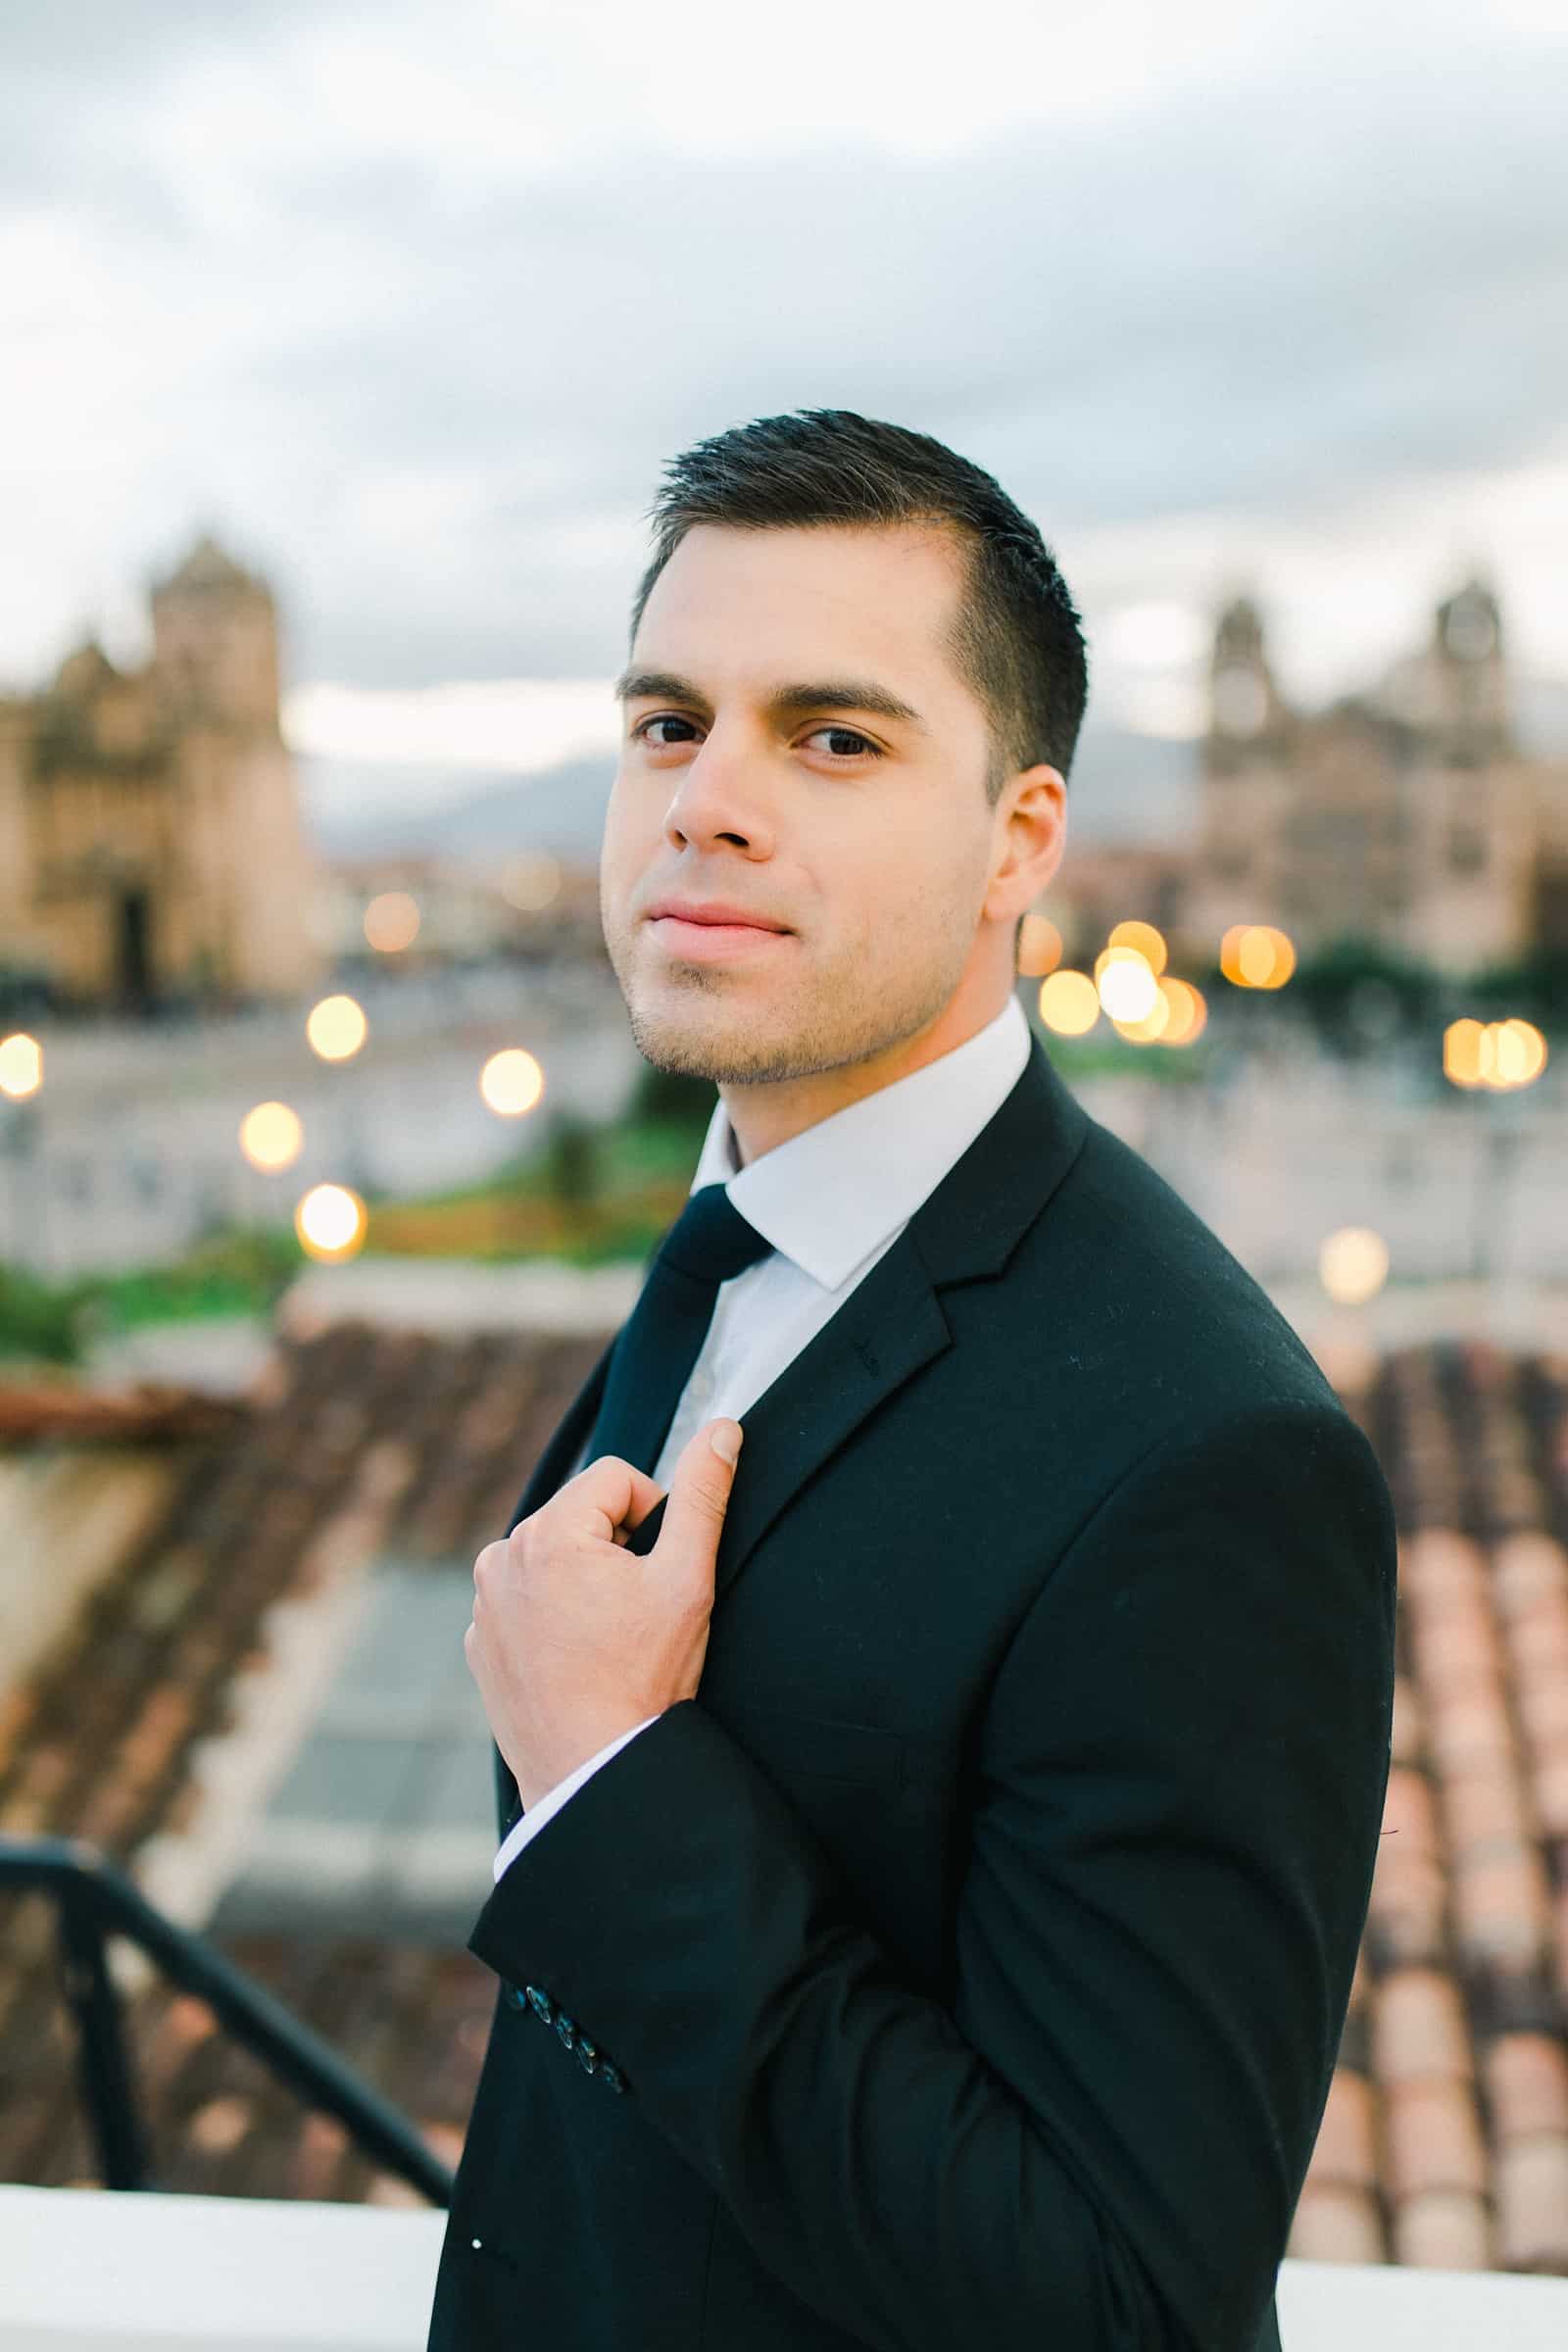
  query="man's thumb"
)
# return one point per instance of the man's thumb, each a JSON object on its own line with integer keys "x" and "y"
{"x": 700, "y": 1492}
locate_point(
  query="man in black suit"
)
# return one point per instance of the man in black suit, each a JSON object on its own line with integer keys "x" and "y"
{"x": 935, "y": 1850}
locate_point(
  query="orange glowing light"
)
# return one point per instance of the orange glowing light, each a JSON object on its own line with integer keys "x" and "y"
{"x": 330, "y": 1221}
{"x": 1353, "y": 1265}
{"x": 20, "y": 1065}
{"x": 392, "y": 921}
{"x": 1040, "y": 947}
{"x": 271, "y": 1135}
{"x": 1187, "y": 1012}
{"x": 1146, "y": 942}
{"x": 1501, "y": 1054}
{"x": 512, "y": 1082}
{"x": 1521, "y": 1053}
{"x": 1069, "y": 1003}
{"x": 1256, "y": 956}
{"x": 1127, "y": 987}
{"x": 1151, "y": 1028}
{"x": 1462, "y": 1053}
{"x": 337, "y": 1028}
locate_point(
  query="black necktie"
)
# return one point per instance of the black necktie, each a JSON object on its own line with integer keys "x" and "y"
{"x": 662, "y": 1338}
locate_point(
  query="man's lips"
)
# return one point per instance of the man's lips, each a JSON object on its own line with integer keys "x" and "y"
{"x": 718, "y": 912}
{"x": 707, "y": 931}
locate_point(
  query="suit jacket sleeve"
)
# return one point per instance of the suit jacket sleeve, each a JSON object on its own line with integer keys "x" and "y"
{"x": 544, "y": 1808}
{"x": 1180, "y": 1776}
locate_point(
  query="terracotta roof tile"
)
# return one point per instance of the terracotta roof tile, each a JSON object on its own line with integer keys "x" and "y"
{"x": 1347, "y": 2150}
{"x": 1526, "y": 2081}
{"x": 1444, "y": 2230}
{"x": 1432, "y": 2133}
{"x": 1419, "y": 2027}
{"x": 1532, "y": 2193}
{"x": 1335, "y": 2223}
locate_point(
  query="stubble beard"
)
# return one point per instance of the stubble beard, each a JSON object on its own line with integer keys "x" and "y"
{"x": 848, "y": 1021}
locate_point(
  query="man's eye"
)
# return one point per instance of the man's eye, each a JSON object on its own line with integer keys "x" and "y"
{"x": 845, "y": 743}
{"x": 665, "y": 720}
{"x": 858, "y": 744}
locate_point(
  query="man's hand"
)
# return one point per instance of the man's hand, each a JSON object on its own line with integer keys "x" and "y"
{"x": 576, "y": 1638}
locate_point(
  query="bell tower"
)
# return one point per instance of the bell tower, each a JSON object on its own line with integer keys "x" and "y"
{"x": 1469, "y": 677}
{"x": 1243, "y": 704}
{"x": 215, "y": 642}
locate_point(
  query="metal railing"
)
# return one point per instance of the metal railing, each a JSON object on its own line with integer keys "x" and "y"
{"x": 93, "y": 1899}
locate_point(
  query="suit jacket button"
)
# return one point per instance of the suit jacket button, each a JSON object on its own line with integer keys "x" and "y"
{"x": 565, "y": 2026}
{"x": 611, "y": 2075}
{"x": 587, "y": 2053}
{"x": 539, "y": 2002}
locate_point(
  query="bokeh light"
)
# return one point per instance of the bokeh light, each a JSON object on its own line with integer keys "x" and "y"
{"x": 1187, "y": 1012}
{"x": 330, "y": 1221}
{"x": 271, "y": 1135}
{"x": 1519, "y": 1053}
{"x": 1040, "y": 947}
{"x": 1145, "y": 940}
{"x": 337, "y": 1028}
{"x": 1462, "y": 1051}
{"x": 1353, "y": 1265}
{"x": 512, "y": 1082}
{"x": 1256, "y": 956}
{"x": 1128, "y": 989}
{"x": 392, "y": 921}
{"x": 1151, "y": 1028}
{"x": 1501, "y": 1054}
{"x": 1069, "y": 1003}
{"x": 20, "y": 1065}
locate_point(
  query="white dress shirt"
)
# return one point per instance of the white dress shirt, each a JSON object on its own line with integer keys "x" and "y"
{"x": 831, "y": 1200}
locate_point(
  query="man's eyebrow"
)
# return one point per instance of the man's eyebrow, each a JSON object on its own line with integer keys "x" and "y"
{"x": 828, "y": 694}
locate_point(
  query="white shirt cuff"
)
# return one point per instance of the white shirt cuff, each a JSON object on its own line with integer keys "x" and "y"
{"x": 554, "y": 1798}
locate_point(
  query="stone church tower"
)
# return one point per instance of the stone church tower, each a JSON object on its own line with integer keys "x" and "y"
{"x": 151, "y": 847}
{"x": 1406, "y": 816}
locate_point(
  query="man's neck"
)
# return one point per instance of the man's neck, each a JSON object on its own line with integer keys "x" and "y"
{"x": 765, "y": 1115}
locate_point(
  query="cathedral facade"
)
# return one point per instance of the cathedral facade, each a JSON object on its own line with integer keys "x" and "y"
{"x": 151, "y": 841}
{"x": 1408, "y": 817}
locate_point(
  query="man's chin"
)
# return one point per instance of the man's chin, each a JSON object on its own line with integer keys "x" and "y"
{"x": 726, "y": 1052}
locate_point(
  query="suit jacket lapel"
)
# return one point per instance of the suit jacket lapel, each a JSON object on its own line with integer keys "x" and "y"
{"x": 892, "y": 1323}
{"x": 571, "y": 1434}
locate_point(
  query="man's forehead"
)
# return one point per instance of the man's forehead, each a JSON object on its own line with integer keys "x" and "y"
{"x": 804, "y": 588}
{"x": 818, "y": 551}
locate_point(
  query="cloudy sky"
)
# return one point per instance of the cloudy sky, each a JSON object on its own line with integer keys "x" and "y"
{"x": 412, "y": 303}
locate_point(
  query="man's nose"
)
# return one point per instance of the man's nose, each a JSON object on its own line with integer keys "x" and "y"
{"x": 721, "y": 797}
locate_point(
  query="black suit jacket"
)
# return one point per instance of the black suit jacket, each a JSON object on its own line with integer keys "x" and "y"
{"x": 966, "y": 1964}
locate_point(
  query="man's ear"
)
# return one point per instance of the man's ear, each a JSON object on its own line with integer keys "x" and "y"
{"x": 1031, "y": 840}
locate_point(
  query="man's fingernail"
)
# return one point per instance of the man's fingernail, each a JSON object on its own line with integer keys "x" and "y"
{"x": 726, "y": 1442}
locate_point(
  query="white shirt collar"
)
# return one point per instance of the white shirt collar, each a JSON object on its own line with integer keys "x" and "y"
{"x": 834, "y": 1193}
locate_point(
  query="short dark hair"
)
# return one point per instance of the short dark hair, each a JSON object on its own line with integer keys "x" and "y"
{"x": 1016, "y": 638}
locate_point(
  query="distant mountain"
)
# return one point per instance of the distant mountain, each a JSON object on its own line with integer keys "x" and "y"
{"x": 1124, "y": 787}
{"x": 357, "y": 809}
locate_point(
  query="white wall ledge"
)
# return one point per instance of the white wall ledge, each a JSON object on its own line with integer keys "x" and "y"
{"x": 91, "y": 2271}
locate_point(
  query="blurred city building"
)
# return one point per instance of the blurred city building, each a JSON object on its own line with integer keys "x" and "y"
{"x": 416, "y": 908}
{"x": 151, "y": 843}
{"x": 1408, "y": 817}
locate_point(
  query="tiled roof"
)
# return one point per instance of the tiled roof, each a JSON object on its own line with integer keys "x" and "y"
{"x": 356, "y": 1438}
{"x": 1446, "y": 2137}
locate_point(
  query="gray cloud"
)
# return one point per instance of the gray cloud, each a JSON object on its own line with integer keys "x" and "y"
{"x": 1273, "y": 295}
